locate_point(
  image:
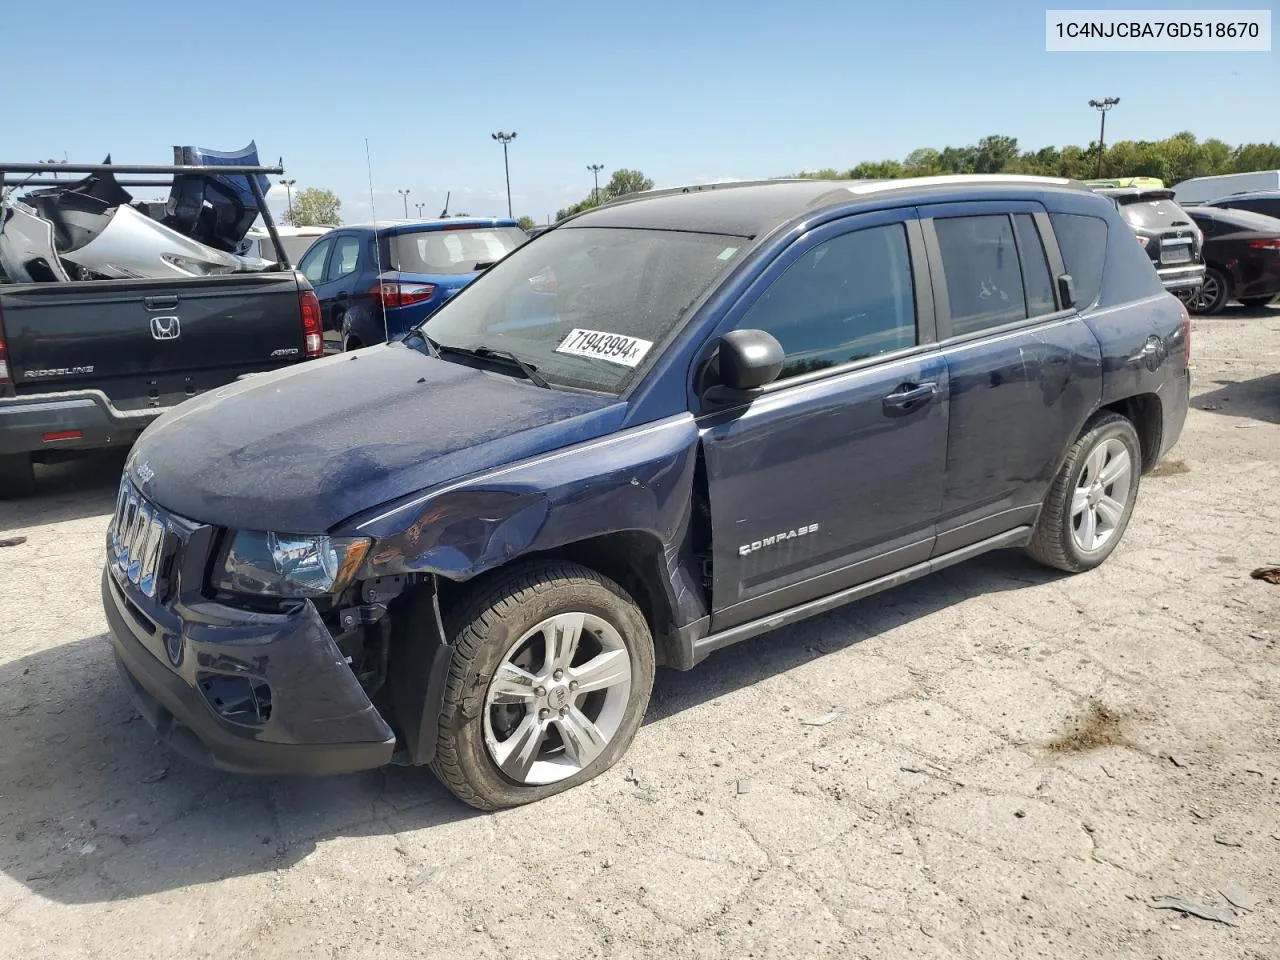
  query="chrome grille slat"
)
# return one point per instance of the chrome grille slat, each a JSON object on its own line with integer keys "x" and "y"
{"x": 136, "y": 539}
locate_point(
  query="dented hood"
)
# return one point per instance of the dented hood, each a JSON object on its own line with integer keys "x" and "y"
{"x": 300, "y": 450}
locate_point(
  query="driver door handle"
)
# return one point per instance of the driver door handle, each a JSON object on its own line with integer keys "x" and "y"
{"x": 910, "y": 396}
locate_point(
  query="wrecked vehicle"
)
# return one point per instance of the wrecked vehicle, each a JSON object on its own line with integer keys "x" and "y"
{"x": 111, "y": 317}
{"x": 674, "y": 422}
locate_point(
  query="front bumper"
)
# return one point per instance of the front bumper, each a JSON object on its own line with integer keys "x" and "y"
{"x": 320, "y": 721}
{"x": 1182, "y": 278}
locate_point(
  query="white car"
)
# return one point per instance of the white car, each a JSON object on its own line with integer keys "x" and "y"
{"x": 295, "y": 240}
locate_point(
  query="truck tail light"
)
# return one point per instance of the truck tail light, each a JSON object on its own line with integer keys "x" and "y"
{"x": 6, "y": 378}
{"x": 1270, "y": 244}
{"x": 312, "y": 327}
{"x": 1186, "y": 333}
{"x": 391, "y": 294}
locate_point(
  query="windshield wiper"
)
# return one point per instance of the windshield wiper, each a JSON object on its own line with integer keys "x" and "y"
{"x": 488, "y": 353}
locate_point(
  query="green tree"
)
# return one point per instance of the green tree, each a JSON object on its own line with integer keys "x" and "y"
{"x": 994, "y": 154}
{"x": 620, "y": 184}
{"x": 314, "y": 207}
{"x": 626, "y": 181}
{"x": 526, "y": 223}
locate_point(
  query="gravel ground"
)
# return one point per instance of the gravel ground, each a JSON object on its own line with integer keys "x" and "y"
{"x": 1020, "y": 763}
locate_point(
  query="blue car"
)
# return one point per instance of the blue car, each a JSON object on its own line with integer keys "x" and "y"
{"x": 672, "y": 423}
{"x": 371, "y": 292}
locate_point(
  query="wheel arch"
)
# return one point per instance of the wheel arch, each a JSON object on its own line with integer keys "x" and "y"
{"x": 1146, "y": 412}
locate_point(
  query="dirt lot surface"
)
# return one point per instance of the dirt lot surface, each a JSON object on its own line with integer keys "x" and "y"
{"x": 1020, "y": 762}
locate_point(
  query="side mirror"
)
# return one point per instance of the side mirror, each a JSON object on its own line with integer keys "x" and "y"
{"x": 1067, "y": 291}
{"x": 748, "y": 360}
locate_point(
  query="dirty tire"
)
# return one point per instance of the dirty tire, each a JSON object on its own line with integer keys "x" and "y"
{"x": 1052, "y": 542}
{"x": 17, "y": 476}
{"x": 482, "y": 628}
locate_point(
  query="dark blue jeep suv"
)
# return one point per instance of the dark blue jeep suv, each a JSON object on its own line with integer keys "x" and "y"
{"x": 376, "y": 281}
{"x": 672, "y": 423}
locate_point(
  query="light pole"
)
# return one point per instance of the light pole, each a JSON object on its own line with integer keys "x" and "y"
{"x": 288, "y": 188}
{"x": 1102, "y": 106}
{"x": 419, "y": 206}
{"x": 504, "y": 139}
{"x": 595, "y": 169}
{"x": 404, "y": 195}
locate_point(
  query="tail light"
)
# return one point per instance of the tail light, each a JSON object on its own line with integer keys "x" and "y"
{"x": 6, "y": 378}
{"x": 1271, "y": 244}
{"x": 1186, "y": 333}
{"x": 312, "y": 327}
{"x": 401, "y": 294}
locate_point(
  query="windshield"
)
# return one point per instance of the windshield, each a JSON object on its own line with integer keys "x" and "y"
{"x": 453, "y": 250}
{"x": 586, "y": 306}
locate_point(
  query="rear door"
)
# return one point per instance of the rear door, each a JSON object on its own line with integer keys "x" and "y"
{"x": 834, "y": 475}
{"x": 150, "y": 343}
{"x": 1023, "y": 371}
{"x": 341, "y": 276}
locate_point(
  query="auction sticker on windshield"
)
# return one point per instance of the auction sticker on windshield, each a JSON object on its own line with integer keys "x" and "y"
{"x": 613, "y": 347}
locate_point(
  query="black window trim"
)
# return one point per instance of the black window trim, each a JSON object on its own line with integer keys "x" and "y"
{"x": 987, "y": 208}
{"x": 926, "y": 332}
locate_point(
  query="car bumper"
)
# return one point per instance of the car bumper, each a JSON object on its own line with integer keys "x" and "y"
{"x": 76, "y": 420}
{"x": 1185, "y": 278}
{"x": 319, "y": 719}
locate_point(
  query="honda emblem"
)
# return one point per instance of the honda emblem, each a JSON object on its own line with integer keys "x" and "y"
{"x": 166, "y": 328}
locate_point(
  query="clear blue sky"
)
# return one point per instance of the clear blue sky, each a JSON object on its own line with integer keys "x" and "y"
{"x": 686, "y": 92}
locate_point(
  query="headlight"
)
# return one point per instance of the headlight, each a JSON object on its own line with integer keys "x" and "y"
{"x": 281, "y": 565}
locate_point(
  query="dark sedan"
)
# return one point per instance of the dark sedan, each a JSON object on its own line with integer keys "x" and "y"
{"x": 1242, "y": 256}
{"x": 1266, "y": 202}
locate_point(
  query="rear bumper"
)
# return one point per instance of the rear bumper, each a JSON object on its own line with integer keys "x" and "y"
{"x": 321, "y": 722}
{"x": 1182, "y": 277}
{"x": 25, "y": 421}
{"x": 1175, "y": 399}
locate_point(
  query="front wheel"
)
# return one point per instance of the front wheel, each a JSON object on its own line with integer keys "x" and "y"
{"x": 1089, "y": 505}
{"x": 551, "y": 673}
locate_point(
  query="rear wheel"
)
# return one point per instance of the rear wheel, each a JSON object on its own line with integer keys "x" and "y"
{"x": 551, "y": 674}
{"x": 17, "y": 476}
{"x": 1212, "y": 295}
{"x": 1089, "y": 505}
{"x": 1254, "y": 302}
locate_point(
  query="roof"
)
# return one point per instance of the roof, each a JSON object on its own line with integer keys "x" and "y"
{"x": 1136, "y": 193}
{"x": 1248, "y": 195}
{"x": 753, "y": 208}
{"x": 427, "y": 223}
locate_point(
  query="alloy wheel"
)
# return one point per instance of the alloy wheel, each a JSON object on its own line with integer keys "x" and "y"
{"x": 557, "y": 698}
{"x": 1101, "y": 495}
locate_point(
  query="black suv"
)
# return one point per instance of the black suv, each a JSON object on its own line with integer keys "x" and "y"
{"x": 1170, "y": 237}
{"x": 1265, "y": 202}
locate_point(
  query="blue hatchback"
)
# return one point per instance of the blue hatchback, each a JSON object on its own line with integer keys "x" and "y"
{"x": 374, "y": 291}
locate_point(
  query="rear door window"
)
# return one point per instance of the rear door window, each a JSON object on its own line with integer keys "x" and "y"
{"x": 983, "y": 277}
{"x": 1083, "y": 242}
{"x": 346, "y": 257}
{"x": 1035, "y": 266}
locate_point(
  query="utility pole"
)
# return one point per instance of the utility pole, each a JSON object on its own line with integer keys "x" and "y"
{"x": 504, "y": 139}
{"x": 595, "y": 169}
{"x": 1102, "y": 106}
{"x": 288, "y": 188}
{"x": 404, "y": 195}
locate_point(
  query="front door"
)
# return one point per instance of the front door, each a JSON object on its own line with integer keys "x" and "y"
{"x": 834, "y": 475}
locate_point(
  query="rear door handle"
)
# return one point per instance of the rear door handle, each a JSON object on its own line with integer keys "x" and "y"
{"x": 909, "y": 397}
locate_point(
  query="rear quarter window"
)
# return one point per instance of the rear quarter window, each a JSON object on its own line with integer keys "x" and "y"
{"x": 1083, "y": 242}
